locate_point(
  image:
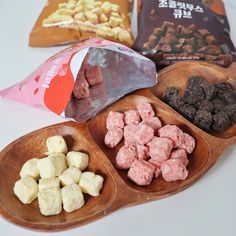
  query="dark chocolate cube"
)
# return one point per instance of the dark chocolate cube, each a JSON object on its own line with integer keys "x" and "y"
{"x": 220, "y": 121}
{"x": 203, "y": 119}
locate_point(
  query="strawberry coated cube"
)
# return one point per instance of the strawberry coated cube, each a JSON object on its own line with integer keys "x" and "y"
{"x": 188, "y": 143}
{"x": 145, "y": 110}
{"x": 81, "y": 87}
{"x": 113, "y": 137}
{"x": 157, "y": 166}
{"x": 173, "y": 132}
{"x": 129, "y": 134}
{"x": 180, "y": 154}
{"x": 160, "y": 148}
{"x": 142, "y": 151}
{"x": 153, "y": 122}
{"x": 141, "y": 172}
{"x": 173, "y": 170}
{"x": 144, "y": 134}
{"x": 132, "y": 117}
{"x": 94, "y": 75}
{"x": 125, "y": 157}
{"x": 115, "y": 120}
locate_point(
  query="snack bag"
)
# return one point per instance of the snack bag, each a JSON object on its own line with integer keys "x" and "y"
{"x": 67, "y": 21}
{"x": 170, "y": 31}
{"x": 81, "y": 80}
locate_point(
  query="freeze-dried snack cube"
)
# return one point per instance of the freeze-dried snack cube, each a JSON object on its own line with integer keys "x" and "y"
{"x": 203, "y": 119}
{"x": 115, "y": 21}
{"x": 173, "y": 132}
{"x": 106, "y": 7}
{"x": 205, "y": 105}
{"x": 115, "y": 119}
{"x": 141, "y": 172}
{"x": 30, "y": 168}
{"x": 132, "y": 117}
{"x": 169, "y": 93}
{"x": 91, "y": 183}
{"x": 92, "y": 17}
{"x": 49, "y": 183}
{"x": 51, "y": 166}
{"x": 218, "y": 105}
{"x": 192, "y": 96}
{"x": 70, "y": 176}
{"x": 77, "y": 159}
{"x": 173, "y": 170}
{"x": 153, "y": 122}
{"x": 103, "y": 18}
{"x": 157, "y": 166}
{"x": 176, "y": 101}
{"x": 94, "y": 75}
{"x": 220, "y": 121}
{"x": 125, "y": 157}
{"x": 145, "y": 110}
{"x": 81, "y": 87}
{"x": 26, "y": 189}
{"x": 230, "y": 110}
{"x": 187, "y": 111}
{"x": 188, "y": 143}
{"x": 72, "y": 197}
{"x": 160, "y": 148}
{"x": 129, "y": 134}
{"x": 144, "y": 134}
{"x": 50, "y": 201}
{"x": 142, "y": 151}
{"x": 180, "y": 154}
{"x": 56, "y": 144}
{"x": 113, "y": 137}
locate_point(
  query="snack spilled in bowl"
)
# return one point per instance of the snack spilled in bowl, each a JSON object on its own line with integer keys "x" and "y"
{"x": 57, "y": 180}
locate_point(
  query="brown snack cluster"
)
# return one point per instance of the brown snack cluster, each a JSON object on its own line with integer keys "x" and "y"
{"x": 177, "y": 42}
{"x": 210, "y": 107}
{"x": 91, "y": 16}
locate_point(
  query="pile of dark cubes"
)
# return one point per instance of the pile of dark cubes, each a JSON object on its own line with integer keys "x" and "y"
{"x": 210, "y": 107}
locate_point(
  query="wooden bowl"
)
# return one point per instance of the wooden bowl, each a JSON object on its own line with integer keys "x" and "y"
{"x": 177, "y": 76}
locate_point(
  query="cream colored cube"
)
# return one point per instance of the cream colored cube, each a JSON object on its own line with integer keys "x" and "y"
{"x": 52, "y": 166}
{"x": 26, "y": 189}
{"x": 124, "y": 36}
{"x": 49, "y": 183}
{"x": 56, "y": 144}
{"x": 77, "y": 159}
{"x": 115, "y": 7}
{"x": 80, "y": 16}
{"x": 104, "y": 31}
{"x": 106, "y": 7}
{"x": 30, "y": 168}
{"x": 70, "y": 176}
{"x": 115, "y": 21}
{"x": 72, "y": 197}
{"x": 91, "y": 183}
{"x": 92, "y": 17}
{"x": 50, "y": 202}
{"x": 103, "y": 18}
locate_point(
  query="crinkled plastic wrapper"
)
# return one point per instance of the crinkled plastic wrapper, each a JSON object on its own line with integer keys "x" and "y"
{"x": 68, "y": 21}
{"x": 170, "y": 31}
{"x": 83, "y": 79}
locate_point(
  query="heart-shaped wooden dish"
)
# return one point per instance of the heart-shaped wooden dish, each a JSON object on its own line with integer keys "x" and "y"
{"x": 118, "y": 190}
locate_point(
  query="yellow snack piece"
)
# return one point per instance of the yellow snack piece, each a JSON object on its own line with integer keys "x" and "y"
{"x": 114, "y": 21}
{"x": 103, "y": 18}
{"x": 92, "y": 17}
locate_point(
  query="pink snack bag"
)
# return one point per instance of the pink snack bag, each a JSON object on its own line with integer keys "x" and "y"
{"x": 83, "y": 79}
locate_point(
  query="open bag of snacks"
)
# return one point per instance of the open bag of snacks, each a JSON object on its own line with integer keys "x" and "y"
{"x": 81, "y": 80}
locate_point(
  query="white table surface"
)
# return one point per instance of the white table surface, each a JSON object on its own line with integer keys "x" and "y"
{"x": 206, "y": 208}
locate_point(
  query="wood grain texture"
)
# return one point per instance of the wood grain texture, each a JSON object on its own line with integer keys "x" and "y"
{"x": 118, "y": 190}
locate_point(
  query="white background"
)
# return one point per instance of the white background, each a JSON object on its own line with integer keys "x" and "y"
{"x": 206, "y": 208}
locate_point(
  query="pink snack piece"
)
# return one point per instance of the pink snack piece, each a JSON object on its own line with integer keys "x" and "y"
{"x": 180, "y": 154}
{"x": 113, "y": 137}
{"x": 94, "y": 75}
{"x": 115, "y": 119}
{"x": 145, "y": 110}
{"x": 173, "y": 132}
{"x": 141, "y": 172}
{"x": 132, "y": 117}
{"x": 188, "y": 143}
{"x": 129, "y": 134}
{"x": 153, "y": 122}
{"x": 125, "y": 157}
{"x": 160, "y": 148}
{"x": 173, "y": 170}
{"x": 81, "y": 87}
{"x": 157, "y": 166}
{"x": 144, "y": 134}
{"x": 142, "y": 151}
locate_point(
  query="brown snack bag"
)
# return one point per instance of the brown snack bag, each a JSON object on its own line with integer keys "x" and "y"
{"x": 170, "y": 31}
{"x": 67, "y": 21}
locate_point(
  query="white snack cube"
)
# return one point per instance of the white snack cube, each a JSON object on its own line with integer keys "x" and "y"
{"x": 77, "y": 159}
{"x": 72, "y": 197}
{"x": 56, "y": 144}
{"x": 70, "y": 176}
{"x": 26, "y": 189}
{"x": 91, "y": 183}
{"x": 50, "y": 202}
{"x": 49, "y": 183}
{"x": 30, "y": 168}
{"x": 51, "y": 166}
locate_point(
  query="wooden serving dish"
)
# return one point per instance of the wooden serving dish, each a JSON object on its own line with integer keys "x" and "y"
{"x": 118, "y": 190}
